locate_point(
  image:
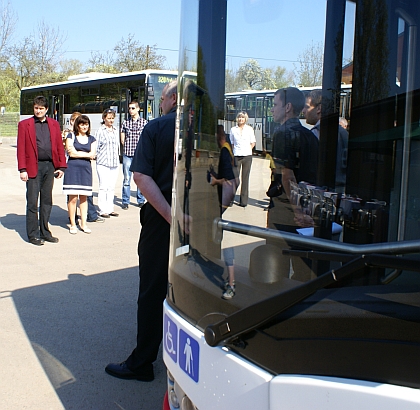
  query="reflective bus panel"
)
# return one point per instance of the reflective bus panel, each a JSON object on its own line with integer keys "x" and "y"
{"x": 306, "y": 286}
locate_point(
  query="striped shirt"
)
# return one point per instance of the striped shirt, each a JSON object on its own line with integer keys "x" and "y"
{"x": 132, "y": 130}
{"x": 107, "y": 147}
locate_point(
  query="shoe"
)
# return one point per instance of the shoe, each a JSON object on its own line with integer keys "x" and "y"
{"x": 85, "y": 230}
{"x": 122, "y": 371}
{"x": 73, "y": 230}
{"x": 124, "y": 206}
{"x": 98, "y": 219}
{"x": 226, "y": 285}
{"x": 140, "y": 204}
{"x": 104, "y": 215}
{"x": 51, "y": 239}
{"x": 229, "y": 293}
{"x": 36, "y": 241}
{"x": 113, "y": 214}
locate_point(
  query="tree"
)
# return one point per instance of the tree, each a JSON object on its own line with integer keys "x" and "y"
{"x": 35, "y": 59}
{"x": 127, "y": 55}
{"x": 252, "y": 74}
{"x": 9, "y": 93}
{"x": 71, "y": 67}
{"x": 309, "y": 70}
{"x": 130, "y": 55}
{"x": 102, "y": 63}
{"x": 8, "y": 20}
{"x": 233, "y": 82}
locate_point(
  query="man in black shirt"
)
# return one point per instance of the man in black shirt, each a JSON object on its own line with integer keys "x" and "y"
{"x": 295, "y": 154}
{"x": 152, "y": 165}
{"x": 40, "y": 156}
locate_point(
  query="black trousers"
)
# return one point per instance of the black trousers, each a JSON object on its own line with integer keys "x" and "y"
{"x": 153, "y": 250}
{"x": 244, "y": 163}
{"x": 39, "y": 187}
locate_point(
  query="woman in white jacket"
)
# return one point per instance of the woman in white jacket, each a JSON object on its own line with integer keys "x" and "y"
{"x": 242, "y": 138}
{"x": 107, "y": 162}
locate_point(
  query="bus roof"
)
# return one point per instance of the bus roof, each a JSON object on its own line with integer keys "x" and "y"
{"x": 81, "y": 78}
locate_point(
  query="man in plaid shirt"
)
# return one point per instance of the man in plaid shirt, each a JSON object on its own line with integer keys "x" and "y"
{"x": 131, "y": 130}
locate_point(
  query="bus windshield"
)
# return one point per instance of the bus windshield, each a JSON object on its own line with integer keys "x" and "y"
{"x": 296, "y": 201}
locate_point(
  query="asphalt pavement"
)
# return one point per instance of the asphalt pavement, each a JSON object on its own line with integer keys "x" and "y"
{"x": 68, "y": 309}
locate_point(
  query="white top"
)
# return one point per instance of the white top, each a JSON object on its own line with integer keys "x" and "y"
{"x": 241, "y": 140}
{"x": 107, "y": 148}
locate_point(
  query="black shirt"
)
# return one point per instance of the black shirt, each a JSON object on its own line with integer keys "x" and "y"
{"x": 154, "y": 154}
{"x": 295, "y": 147}
{"x": 43, "y": 140}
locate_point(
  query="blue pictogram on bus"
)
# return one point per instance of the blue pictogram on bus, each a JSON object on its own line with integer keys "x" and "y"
{"x": 189, "y": 354}
{"x": 170, "y": 338}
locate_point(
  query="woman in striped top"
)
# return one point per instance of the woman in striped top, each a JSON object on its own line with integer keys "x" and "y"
{"x": 107, "y": 162}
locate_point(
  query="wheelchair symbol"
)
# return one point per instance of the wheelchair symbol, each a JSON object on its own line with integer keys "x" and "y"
{"x": 168, "y": 340}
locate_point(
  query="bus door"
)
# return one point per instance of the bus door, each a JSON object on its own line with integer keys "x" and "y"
{"x": 54, "y": 108}
{"x": 258, "y": 123}
{"x": 268, "y": 124}
{"x": 152, "y": 109}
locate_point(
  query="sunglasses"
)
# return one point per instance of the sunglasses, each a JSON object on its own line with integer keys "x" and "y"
{"x": 132, "y": 108}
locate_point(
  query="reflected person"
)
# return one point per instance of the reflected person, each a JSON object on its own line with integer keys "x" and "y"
{"x": 295, "y": 156}
{"x": 226, "y": 182}
{"x": 313, "y": 112}
{"x": 242, "y": 138}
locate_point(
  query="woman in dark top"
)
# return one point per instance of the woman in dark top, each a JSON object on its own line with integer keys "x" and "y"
{"x": 226, "y": 182}
{"x": 81, "y": 149}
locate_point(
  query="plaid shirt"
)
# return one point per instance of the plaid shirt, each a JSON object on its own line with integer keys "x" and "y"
{"x": 132, "y": 130}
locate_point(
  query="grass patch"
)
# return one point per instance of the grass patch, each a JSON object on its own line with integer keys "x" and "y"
{"x": 9, "y": 124}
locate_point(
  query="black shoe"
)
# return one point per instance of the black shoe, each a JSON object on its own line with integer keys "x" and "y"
{"x": 51, "y": 239}
{"x": 140, "y": 204}
{"x": 99, "y": 219}
{"x": 36, "y": 241}
{"x": 124, "y": 206}
{"x": 121, "y": 371}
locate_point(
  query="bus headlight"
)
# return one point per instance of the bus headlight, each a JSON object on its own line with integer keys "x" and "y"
{"x": 186, "y": 404}
{"x": 173, "y": 399}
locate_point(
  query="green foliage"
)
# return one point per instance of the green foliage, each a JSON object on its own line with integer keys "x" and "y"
{"x": 309, "y": 69}
{"x": 252, "y": 76}
{"x": 8, "y": 124}
{"x": 127, "y": 55}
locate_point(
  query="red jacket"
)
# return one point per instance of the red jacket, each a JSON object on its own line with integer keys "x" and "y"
{"x": 27, "y": 150}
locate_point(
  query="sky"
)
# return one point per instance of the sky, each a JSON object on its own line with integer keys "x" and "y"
{"x": 265, "y": 30}
{"x": 100, "y": 25}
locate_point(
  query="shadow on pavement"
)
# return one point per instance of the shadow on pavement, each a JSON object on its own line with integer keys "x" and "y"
{"x": 77, "y": 327}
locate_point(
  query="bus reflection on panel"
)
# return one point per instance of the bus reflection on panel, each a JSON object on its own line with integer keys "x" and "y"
{"x": 309, "y": 296}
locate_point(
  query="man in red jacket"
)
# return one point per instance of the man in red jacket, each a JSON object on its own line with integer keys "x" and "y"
{"x": 40, "y": 155}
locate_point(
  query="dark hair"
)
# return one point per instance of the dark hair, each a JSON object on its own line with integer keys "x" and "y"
{"x": 41, "y": 100}
{"x": 316, "y": 97}
{"x": 81, "y": 119}
{"x": 293, "y": 96}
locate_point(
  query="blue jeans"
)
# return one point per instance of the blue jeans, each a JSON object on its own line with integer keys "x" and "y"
{"x": 126, "y": 190}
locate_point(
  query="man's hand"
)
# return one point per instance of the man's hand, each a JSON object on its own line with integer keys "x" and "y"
{"x": 24, "y": 176}
{"x": 58, "y": 173}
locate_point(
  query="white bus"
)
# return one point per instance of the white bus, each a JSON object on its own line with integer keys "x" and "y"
{"x": 346, "y": 335}
{"x": 92, "y": 93}
{"x": 258, "y": 103}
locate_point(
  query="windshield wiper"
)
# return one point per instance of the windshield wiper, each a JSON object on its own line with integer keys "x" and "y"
{"x": 258, "y": 314}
